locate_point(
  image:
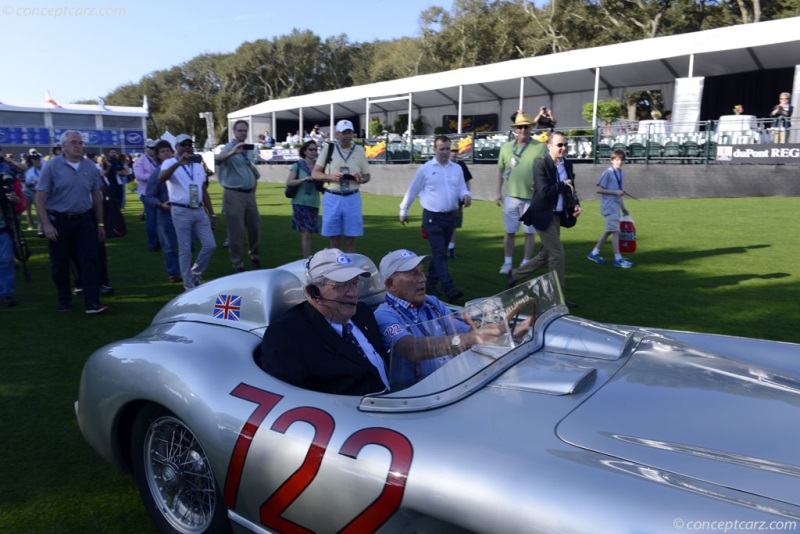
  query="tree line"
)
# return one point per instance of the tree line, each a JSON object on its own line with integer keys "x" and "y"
{"x": 469, "y": 33}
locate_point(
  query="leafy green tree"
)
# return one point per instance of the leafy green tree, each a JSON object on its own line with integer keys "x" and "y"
{"x": 376, "y": 127}
{"x": 607, "y": 111}
{"x": 469, "y": 33}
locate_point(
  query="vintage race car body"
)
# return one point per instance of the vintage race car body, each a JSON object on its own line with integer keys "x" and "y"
{"x": 571, "y": 427}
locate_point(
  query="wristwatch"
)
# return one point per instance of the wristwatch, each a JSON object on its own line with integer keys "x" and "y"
{"x": 456, "y": 341}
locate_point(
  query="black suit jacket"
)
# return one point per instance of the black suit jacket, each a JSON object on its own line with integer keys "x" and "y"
{"x": 546, "y": 188}
{"x": 303, "y": 349}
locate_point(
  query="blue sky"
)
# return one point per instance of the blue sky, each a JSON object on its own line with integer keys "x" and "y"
{"x": 69, "y": 48}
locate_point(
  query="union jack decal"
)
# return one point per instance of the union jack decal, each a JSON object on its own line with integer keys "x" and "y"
{"x": 228, "y": 307}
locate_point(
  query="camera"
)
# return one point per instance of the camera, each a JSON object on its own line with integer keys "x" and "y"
{"x": 195, "y": 159}
{"x": 8, "y": 183}
{"x": 248, "y": 147}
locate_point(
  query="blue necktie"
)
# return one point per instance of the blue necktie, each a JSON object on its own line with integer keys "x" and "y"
{"x": 347, "y": 334}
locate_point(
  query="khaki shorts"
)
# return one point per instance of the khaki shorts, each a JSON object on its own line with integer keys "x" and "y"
{"x": 513, "y": 209}
{"x": 612, "y": 222}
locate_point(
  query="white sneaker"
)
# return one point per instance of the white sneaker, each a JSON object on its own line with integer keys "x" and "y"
{"x": 505, "y": 269}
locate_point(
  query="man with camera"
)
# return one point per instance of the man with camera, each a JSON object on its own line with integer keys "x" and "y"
{"x": 341, "y": 203}
{"x": 185, "y": 178}
{"x": 545, "y": 120}
{"x": 8, "y": 224}
{"x": 69, "y": 192}
{"x": 116, "y": 172}
{"x": 239, "y": 178}
{"x": 9, "y": 166}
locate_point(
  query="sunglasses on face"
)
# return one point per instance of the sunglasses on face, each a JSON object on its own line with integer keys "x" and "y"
{"x": 560, "y": 145}
{"x": 522, "y": 127}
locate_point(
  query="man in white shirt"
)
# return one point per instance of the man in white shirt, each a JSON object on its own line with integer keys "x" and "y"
{"x": 441, "y": 188}
{"x": 185, "y": 181}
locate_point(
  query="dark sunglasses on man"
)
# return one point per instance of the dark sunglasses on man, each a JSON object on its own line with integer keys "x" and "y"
{"x": 187, "y": 144}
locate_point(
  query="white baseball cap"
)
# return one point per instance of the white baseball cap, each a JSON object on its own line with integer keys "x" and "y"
{"x": 344, "y": 125}
{"x": 181, "y": 138}
{"x": 400, "y": 261}
{"x": 334, "y": 265}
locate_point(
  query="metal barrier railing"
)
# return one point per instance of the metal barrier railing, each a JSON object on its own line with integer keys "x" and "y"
{"x": 644, "y": 142}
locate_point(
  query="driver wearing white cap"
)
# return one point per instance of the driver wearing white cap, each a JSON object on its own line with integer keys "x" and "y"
{"x": 329, "y": 343}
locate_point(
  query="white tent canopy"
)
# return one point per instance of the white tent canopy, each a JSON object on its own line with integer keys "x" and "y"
{"x": 562, "y": 81}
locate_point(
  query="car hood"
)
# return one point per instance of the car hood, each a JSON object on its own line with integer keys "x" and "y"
{"x": 719, "y": 419}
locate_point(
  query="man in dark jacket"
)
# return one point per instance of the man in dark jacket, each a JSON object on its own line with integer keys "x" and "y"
{"x": 553, "y": 179}
{"x": 331, "y": 342}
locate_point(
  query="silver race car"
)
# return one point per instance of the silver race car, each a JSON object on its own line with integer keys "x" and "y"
{"x": 557, "y": 424}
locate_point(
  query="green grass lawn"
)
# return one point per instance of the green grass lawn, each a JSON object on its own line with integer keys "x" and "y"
{"x": 714, "y": 265}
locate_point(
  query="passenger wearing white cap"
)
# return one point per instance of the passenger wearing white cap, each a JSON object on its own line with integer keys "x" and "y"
{"x": 331, "y": 342}
{"x": 409, "y": 322}
{"x": 341, "y": 203}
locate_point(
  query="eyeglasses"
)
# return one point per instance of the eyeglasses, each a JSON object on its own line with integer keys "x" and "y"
{"x": 311, "y": 148}
{"x": 523, "y": 127}
{"x": 187, "y": 144}
{"x": 344, "y": 286}
{"x": 560, "y": 145}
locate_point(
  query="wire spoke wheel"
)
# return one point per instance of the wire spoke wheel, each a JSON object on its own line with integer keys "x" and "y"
{"x": 174, "y": 475}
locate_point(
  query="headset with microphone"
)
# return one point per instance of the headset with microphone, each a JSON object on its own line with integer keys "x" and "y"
{"x": 314, "y": 291}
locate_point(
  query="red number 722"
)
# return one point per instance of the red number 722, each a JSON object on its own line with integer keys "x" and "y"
{"x": 371, "y": 518}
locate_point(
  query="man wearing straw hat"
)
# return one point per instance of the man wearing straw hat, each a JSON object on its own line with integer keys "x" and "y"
{"x": 515, "y": 173}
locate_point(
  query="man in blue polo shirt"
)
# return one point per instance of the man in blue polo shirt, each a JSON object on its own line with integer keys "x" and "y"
{"x": 69, "y": 193}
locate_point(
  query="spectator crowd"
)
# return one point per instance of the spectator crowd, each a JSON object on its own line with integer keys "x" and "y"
{"x": 74, "y": 199}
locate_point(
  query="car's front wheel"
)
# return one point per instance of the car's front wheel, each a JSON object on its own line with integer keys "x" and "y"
{"x": 174, "y": 476}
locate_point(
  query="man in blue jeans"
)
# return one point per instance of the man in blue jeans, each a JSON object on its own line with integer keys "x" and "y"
{"x": 441, "y": 188}
{"x": 156, "y": 197}
{"x": 143, "y": 167}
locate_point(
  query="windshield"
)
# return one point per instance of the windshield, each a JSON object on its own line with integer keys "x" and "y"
{"x": 436, "y": 355}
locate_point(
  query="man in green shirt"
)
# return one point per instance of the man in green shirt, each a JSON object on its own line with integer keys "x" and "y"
{"x": 515, "y": 172}
{"x": 238, "y": 177}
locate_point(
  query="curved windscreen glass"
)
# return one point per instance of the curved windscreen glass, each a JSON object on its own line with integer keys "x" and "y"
{"x": 445, "y": 351}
